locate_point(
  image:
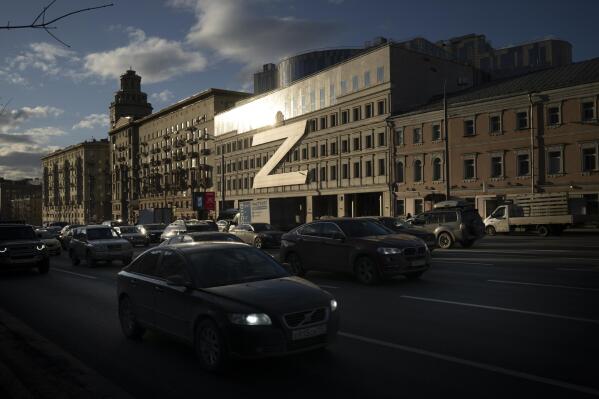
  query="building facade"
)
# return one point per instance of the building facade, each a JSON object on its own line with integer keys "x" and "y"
{"x": 159, "y": 160}
{"x": 76, "y": 183}
{"x": 18, "y": 200}
{"x": 504, "y": 141}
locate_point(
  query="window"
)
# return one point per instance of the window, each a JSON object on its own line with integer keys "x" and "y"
{"x": 418, "y": 206}
{"x": 417, "y": 135}
{"x": 354, "y": 83}
{"x": 344, "y": 171}
{"x": 344, "y": 146}
{"x": 554, "y": 162}
{"x": 334, "y": 148}
{"x": 356, "y": 169}
{"x": 146, "y": 264}
{"x": 322, "y": 97}
{"x": 368, "y": 169}
{"x": 304, "y": 153}
{"x": 323, "y": 173}
{"x": 469, "y": 169}
{"x": 522, "y": 120}
{"x": 333, "y": 98}
{"x": 380, "y": 105}
{"x": 588, "y": 110}
{"x": 323, "y": 150}
{"x": 400, "y": 207}
{"x": 469, "y": 127}
{"x": 523, "y": 168}
{"x": 356, "y": 114}
{"x": 436, "y": 169}
{"x": 344, "y": 117}
{"x": 366, "y": 78}
{"x": 343, "y": 87}
{"x": 171, "y": 265}
{"x": 380, "y": 74}
{"x": 381, "y": 139}
{"x": 323, "y": 122}
{"x": 357, "y": 144}
{"x": 436, "y": 133}
{"x": 313, "y": 151}
{"x": 399, "y": 139}
{"x": 553, "y": 116}
{"x": 418, "y": 170}
{"x": 496, "y": 166}
{"x": 295, "y": 157}
{"x": 399, "y": 171}
{"x": 368, "y": 110}
{"x": 333, "y": 120}
{"x": 381, "y": 167}
{"x": 495, "y": 124}
{"x": 311, "y": 125}
{"x": 312, "y": 175}
{"x": 589, "y": 159}
{"x": 369, "y": 141}
{"x": 312, "y": 100}
{"x": 333, "y": 172}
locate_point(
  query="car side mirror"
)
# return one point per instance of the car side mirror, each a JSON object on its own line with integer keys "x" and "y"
{"x": 178, "y": 281}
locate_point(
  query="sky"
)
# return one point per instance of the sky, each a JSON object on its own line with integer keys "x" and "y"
{"x": 52, "y": 96}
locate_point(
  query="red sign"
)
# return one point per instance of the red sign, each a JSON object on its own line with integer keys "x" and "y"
{"x": 209, "y": 201}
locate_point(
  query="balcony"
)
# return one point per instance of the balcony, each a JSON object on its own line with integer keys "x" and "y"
{"x": 205, "y": 152}
{"x": 192, "y": 141}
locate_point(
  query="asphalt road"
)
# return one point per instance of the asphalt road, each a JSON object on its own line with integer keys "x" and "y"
{"x": 510, "y": 317}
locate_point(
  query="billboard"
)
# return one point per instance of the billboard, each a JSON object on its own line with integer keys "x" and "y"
{"x": 204, "y": 201}
{"x": 255, "y": 211}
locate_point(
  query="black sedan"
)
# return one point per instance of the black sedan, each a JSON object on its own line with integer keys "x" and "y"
{"x": 260, "y": 235}
{"x": 227, "y": 299}
{"x": 402, "y": 227}
{"x": 360, "y": 246}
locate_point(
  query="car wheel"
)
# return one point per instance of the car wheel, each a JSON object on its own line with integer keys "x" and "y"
{"x": 44, "y": 266}
{"x": 366, "y": 271}
{"x": 414, "y": 275}
{"x": 131, "y": 328}
{"x": 444, "y": 241}
{"x": 295, "y": 264}
{"x": 210, "y": 346}
{"x": 91, "y": 262}
{"x": 258, "y": 242}
{"x": 543, "y": 231}
{"x": 74, "y": 259}
{"x": 490, "y": 230}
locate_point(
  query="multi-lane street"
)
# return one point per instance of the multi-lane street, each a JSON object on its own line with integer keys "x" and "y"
{"x": 512, "y": 316}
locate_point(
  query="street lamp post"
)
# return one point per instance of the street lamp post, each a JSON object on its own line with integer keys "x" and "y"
{"x": 446, "y": 130}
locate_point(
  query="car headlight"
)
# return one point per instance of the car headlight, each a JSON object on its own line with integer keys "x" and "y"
{"x": 333, "y": 305}
{"x": 389, "y": 251}
{"x": 2, "y": 250}
{"x": 251, "y": 319}
{"x": 143, "y": 230}
{"x": 40, "y": 247}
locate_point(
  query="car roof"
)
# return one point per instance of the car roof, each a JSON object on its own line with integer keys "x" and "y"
{"x": 187, "y": 247}
{"x": 97, "y": 226}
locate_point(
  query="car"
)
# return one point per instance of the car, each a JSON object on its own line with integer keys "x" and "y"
{"x": 152, "y": 230}
{"x": 201, "y": 236}
{"x": 227, "y": 299}
{"x": 133, "y": 235}
{"x": 56, "y": 224}
{"x": 20, "y": 248}
{"x": 50, "y": 241}
{"x": 113, "y": 223}
{"x": 452, "y": 222}
{"x": 400, "y": 226}
{"x": 362, "y": 247}
{"x": 66, "y": 234}
{"x": 183, "y": 226}
{"x": 260, "y": 235}
{"x": 98, "y": 243}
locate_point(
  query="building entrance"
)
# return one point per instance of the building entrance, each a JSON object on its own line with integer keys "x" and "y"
{"x": 363, "y": 204}
{"x": 324, "y": 205}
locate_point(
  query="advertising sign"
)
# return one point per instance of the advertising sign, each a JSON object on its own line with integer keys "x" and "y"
{"x": 260, "y": 211}
{"x": 245, "y": 212}
{"x": 209, "y": 201}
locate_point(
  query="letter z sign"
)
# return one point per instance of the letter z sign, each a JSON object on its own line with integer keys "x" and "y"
{"x": 292, "y": 133}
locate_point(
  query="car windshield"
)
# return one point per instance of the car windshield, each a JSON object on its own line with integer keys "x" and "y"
{"x": 154, "y": 226}
{"x": 216, "y": 237}
{"x": 128, "y": 230}
{"x": 101, "y": 234}
{"x": 262, "y": 227}
{"x": 362, "y": 228}
{"x": 233, "y": 265}
{"x": 10, "y": 233}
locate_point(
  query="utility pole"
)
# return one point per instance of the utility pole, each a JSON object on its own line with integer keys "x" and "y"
{"x": 222, "y": 181}
{"x": 446, "y": 129}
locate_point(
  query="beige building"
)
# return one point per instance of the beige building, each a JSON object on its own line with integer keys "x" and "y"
{"x": 76, "y": 183}
{"x": 159, "y": 160}
{"x": 503, "y": 141}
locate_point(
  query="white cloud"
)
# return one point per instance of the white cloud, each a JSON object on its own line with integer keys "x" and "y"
{"x": 238, "y": 30}
{"x": 10, "y": 119}
{"x": 45, "y": 57}
{"x": 91, "y": 121}
{"x": 163, "y": 97}
{"x": 154, "y": 58}
{"x": 12, "y": 77}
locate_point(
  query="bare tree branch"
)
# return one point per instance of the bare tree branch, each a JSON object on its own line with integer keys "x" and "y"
{"x": 4, "y": 106}
{"x": 45, "y": 25}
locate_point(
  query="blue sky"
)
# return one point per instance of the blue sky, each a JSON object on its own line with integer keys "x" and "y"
{"x": 57, "y": 96}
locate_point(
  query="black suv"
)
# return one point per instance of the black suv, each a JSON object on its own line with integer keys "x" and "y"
{"x": 359, "y": 246}
{"x": 20, "y": 248}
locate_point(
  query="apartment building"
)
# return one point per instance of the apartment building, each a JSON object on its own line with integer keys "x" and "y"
{"x": 18, "y": 200}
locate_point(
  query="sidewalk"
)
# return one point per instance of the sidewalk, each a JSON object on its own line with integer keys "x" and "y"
{"x": 33, "y": 367}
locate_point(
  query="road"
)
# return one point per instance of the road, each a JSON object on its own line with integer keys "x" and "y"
{"x": 512, "y": 316}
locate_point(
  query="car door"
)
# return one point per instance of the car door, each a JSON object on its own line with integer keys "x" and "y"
{"x": 173, "y": 304}
{"x": 336, "y": 250}
{"x": 80, "y": 242}
{"x": 310, "y": 246}
{"x": 142, "y": 286}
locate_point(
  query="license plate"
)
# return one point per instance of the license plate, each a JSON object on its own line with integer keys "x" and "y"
{"x": 308, "y": 332}
{"x": 418, "y": 262}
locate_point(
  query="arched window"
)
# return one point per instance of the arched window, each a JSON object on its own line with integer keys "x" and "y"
{"x": 399, "y": 172}
{"x": 436, "y": 169}
{"x": 418, "y": 170}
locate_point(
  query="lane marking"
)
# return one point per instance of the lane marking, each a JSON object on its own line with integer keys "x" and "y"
{"x": 73, "y": 273}
{"x": 543, "y": 285}
{"x": 474, "y": 305}
{"x": 328, "y": 286}
{"x": 463, "y": 262}
{"x": 475, "y": 364}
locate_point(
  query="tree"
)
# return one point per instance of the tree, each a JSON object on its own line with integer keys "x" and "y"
{"x": 40, "y": 21}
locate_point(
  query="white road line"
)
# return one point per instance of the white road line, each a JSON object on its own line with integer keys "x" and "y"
{"x": 543, "y": 285}
{"x": 474, "y": 305}
{"x": 462, "y": 262}
{"x": 328, "y": 286}
{"x": 479, "y": 365}
{"x": 73, "y": 273}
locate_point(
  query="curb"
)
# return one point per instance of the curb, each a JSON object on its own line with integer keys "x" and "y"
{"x": 33, "y": 367}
